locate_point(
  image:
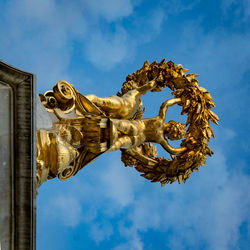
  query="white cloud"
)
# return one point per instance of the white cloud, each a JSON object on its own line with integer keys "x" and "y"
{"x": 42, "y": 10}
{"x": 132, "y": 244}
{"x": 110, "y": 9}
{"x": 213, "y": 204}
{"x": 106, "y": 50}
{"x": 178, "y": 6}
{"x": 40, "y": 35}
{"x": 99, "y": 232}
{"x": 37, "y": 35}
{"x": 148, "y": 27}
{"x": 221, "y": 59}
{"x": 65, "y": 208}
{"x": 119, "y": 183}
{"x": 155, "y": 21}
{"x": 225, "y": 134}
{"x": 211, "y": 210}
{"x": 241, "y": 9}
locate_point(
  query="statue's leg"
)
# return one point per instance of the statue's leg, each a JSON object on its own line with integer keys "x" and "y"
{"x": 126, "y": 142}
{"x": 122, "y": 142}
{"x": 106, "y": 103}
{"x": 128, "y": 127}
{"x": 123, "y": 107}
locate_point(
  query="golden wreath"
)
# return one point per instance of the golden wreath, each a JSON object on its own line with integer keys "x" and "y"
{"x": 196, "y": 103}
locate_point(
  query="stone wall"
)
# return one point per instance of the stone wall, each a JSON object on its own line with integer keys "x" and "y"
{"x": 17, "y": 159}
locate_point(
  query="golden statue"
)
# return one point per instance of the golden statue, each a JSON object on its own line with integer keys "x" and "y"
{"x": 84, "y": 127}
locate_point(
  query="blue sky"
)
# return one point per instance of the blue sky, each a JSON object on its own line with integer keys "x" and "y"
{"x": 94, "y": 45}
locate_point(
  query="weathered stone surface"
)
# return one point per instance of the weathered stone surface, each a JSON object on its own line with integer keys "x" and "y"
{"x": 17, "y": 159}
{"x": 5, "y": 164}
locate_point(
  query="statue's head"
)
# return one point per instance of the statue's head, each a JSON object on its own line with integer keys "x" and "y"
{"x": 174, "y": 130}
{"x": 129, "y": 85}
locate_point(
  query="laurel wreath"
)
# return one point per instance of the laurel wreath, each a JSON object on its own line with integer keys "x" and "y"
{"x": 196, "y": 103}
